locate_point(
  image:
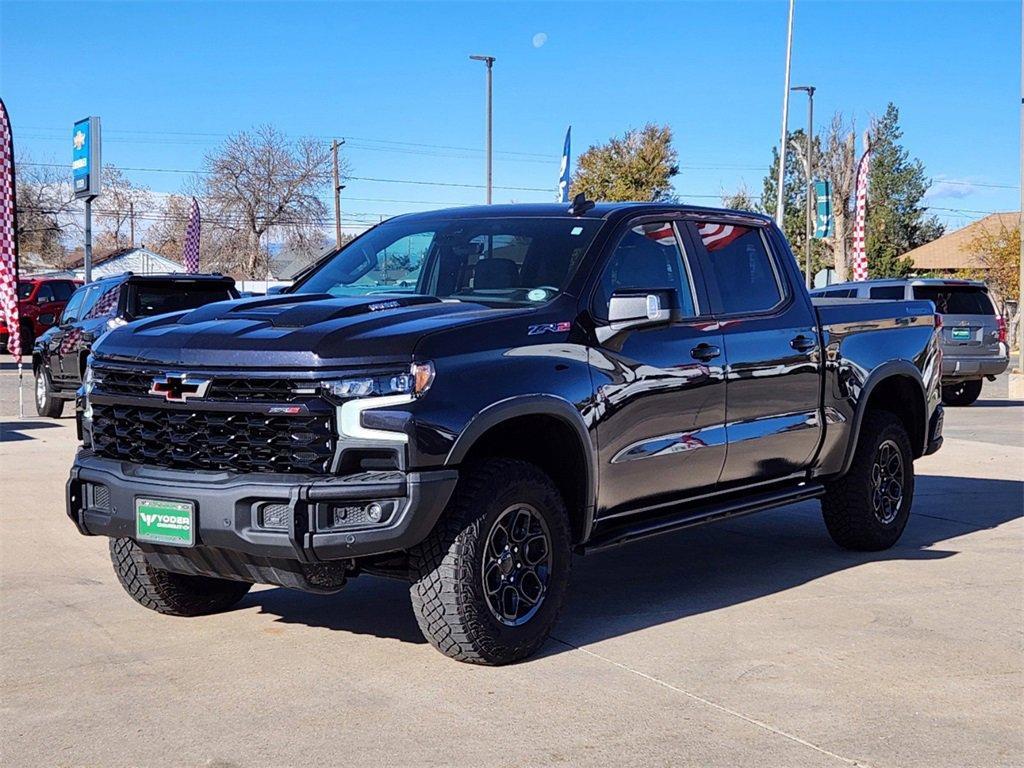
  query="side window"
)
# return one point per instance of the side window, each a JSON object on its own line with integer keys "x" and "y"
{"x": 62, "y": 290}
{"x": 45, "y": 294}
{"x": 741, "y": 266}
{"x": 646, "y": 258}
{"x": 74, "y": 306}
{"x": 101, "y": 302}
{"x": 887, "y": 292}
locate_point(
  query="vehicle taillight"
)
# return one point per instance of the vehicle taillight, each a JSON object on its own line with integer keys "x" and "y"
{"x": 1001, "y": 328}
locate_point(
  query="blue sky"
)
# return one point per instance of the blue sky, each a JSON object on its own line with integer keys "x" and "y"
{"x": 170, "y": 80}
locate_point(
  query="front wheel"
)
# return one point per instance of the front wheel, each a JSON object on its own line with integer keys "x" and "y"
{"x": 962, "y": 393}
{"x": 47, "y": 403}
{"x": 868, "y": 507}
{"x": 175, "y": 594}
{"x": 491, "y": 578}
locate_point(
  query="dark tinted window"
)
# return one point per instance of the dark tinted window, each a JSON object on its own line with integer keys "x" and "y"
{"x": 45, "y": 293}
{"x": 840, "y": 293}
{"x": 25, "y": 290}
{"x": 741, "y": 267}
{"x": 646, "y": 258}
{"x": 62, "y": 290}
{"x": 956, "y": 299}
{"x": 148, "y": 298}
{"x": 102, "y": 301}
{"x": 887, "y": 292}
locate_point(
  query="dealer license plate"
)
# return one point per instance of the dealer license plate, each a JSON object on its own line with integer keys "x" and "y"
{"x": 163, "y": 521}
{"x": 961, "y": 334}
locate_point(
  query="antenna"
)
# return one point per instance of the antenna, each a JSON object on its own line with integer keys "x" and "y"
{"x": 580, "y": 205}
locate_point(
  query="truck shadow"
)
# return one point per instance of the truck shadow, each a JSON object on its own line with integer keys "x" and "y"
{"x": 692, "y": 572}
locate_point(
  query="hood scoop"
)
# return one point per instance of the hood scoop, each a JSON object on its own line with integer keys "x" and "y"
{"x": 304, "y": 310}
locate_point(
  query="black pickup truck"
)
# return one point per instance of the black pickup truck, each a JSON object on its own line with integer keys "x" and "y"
{"x": 466, "y": 398}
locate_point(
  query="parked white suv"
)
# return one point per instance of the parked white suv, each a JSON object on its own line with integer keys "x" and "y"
{"x": 973, "y": 335}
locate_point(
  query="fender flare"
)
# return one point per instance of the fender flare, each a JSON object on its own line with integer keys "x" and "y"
{"x": 534, "y": 405}
{"x": 883, "y": 372}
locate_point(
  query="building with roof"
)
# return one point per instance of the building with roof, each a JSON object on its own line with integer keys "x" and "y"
{"x": 141, "y": 261}
{"x": 952, "y": 252}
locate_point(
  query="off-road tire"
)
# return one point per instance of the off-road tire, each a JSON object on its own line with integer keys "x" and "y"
{"x": 448, "y": 595}
{"x": 962, "y": 393}
{"x": 172, "y": 593}
{"x": 847, "y": 505}
{"x": 47, "y": 403}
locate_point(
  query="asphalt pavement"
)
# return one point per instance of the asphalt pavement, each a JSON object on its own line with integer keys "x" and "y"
{"x": 752, "y": 642}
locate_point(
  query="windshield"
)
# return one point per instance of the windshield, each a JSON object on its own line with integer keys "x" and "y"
{"x": 496, "y": 262}
{"x": 25, "y": 290}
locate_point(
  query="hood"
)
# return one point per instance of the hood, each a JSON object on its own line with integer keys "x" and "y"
{"x": 307, "y": 331}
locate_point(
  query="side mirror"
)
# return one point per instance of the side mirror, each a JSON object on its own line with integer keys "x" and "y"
{"x": 638, "y": 308}
{"x": 46, "y": 318}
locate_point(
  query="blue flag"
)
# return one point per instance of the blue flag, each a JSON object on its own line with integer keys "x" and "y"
{"x": 563, "y": 177}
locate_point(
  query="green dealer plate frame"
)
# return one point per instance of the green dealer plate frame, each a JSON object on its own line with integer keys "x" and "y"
{"x": 962, "y": 334}
{"x": 165, "y": 521}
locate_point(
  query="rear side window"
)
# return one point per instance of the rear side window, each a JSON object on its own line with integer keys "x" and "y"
{"x": 646, "y": 258}
{"x": 45, "y": 293}
{"x": 839, "y": 293}
{"x": 742, "y": 267}
{"x": 887, "y": 292}
{"x": 148, "y": 298}
{"x": 62, "y": 290}
{"x": 956, "y": 299}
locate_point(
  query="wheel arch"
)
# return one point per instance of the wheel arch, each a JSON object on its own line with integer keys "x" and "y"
{"x": 897, "y": 387}
{"x": 566, "y": 453}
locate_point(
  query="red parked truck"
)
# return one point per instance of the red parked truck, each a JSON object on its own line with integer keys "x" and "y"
{"x": 40, "y": 302}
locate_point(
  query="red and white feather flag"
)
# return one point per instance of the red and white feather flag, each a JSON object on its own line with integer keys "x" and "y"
{"x": 8, "y": 239}
{"x": 190, "y": 248}
{"x": 860, "y": 254}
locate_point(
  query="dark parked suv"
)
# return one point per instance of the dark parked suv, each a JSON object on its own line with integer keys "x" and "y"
{"x": 552, "y": 380}
{"x": 59, "y": 355}
{"x": 973, "y": 335}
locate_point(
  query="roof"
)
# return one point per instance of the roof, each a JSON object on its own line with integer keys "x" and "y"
{"x": 898, "y": 281}
{"x": 138, "y": 260}
{"x": 952, "y": 251}
{"x": 601, "y": 210}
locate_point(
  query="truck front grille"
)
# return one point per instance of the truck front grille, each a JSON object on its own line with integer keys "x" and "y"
{"x": 135, "y": 382}
{"x": 214, "y": 440}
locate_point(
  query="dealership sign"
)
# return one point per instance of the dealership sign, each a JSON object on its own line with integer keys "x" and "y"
{"x": 86, "y": 163}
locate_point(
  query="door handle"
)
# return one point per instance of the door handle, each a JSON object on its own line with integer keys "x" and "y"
{"x": 705, "y": 352}
{"x": 803, "y": 343}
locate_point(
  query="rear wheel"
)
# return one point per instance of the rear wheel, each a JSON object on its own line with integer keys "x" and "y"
{"x": 172, "y": 593}
{"x": 491, "y": 578}
{"x": 47, "y": 403}
{"x": 868, "y": 508}
{"x": 961, "y": 393}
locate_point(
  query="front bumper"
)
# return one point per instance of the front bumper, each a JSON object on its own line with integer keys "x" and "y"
{"x": 965, "y": 368}
{"x": 101, "y": 496}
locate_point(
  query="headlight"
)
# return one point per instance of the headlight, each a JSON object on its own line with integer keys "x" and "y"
{"x": 88, "y": 383}
{"x": 415, "y": 382}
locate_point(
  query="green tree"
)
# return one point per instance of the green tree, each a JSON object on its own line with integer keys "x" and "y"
{"x": 638, "y": 166}
{"x": 896, "y": 219}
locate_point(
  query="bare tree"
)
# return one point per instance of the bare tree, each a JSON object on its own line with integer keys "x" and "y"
{"x": 838, "y": 164}
{"x": 741, "y": 200}
{"x": 117, "y": 208}
{"x": 257, "y": 182}
{"x": 47, "y": 212}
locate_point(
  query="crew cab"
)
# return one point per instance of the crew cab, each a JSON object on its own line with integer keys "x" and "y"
{"x": 555, "y": 380}
{"x": 974, "y": 340}
{"x": 40, "y": 302}
{"x": 59, "y": 356}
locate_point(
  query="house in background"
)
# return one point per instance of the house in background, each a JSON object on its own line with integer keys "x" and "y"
{"x": 141, "y": 261}
{"x": 951, "y": 252}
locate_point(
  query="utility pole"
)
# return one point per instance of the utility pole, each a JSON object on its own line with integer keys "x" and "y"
{"x": 338, "y": 186}
{"x": 780, "y": 205}
{"x": 489, "y": 62}
{"x": 131, "y": 221}
{"x": 809, "y": 168}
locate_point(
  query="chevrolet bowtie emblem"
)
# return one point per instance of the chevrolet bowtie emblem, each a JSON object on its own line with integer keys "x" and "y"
{"x": 179, "y": 387}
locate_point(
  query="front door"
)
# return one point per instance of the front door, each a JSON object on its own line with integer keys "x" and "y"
{"x": 660, "y": 389}
{"x": 771, "y": 342}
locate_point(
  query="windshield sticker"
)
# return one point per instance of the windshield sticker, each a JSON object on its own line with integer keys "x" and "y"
{"x": 576, "y": 231}
{"x": 537, "y": 294}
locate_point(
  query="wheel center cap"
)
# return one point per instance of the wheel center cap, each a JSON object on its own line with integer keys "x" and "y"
{"x": 506, "y": 564}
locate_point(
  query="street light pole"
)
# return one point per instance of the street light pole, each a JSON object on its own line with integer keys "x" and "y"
{"x": 489, "y": 62}
{"x": 338, "y": 186}
{"x": 809, "y": 168}
{"x": 780, "y": 205}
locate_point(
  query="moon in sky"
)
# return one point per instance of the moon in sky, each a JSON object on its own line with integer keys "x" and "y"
{"x": 539, "y": 39}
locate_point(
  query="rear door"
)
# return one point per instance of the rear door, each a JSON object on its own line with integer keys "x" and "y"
{"x": 771, "y": 344}
{"x": 969, "y": 324}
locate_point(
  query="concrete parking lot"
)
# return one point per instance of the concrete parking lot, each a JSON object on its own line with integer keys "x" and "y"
{"x": 754, "y": 642}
